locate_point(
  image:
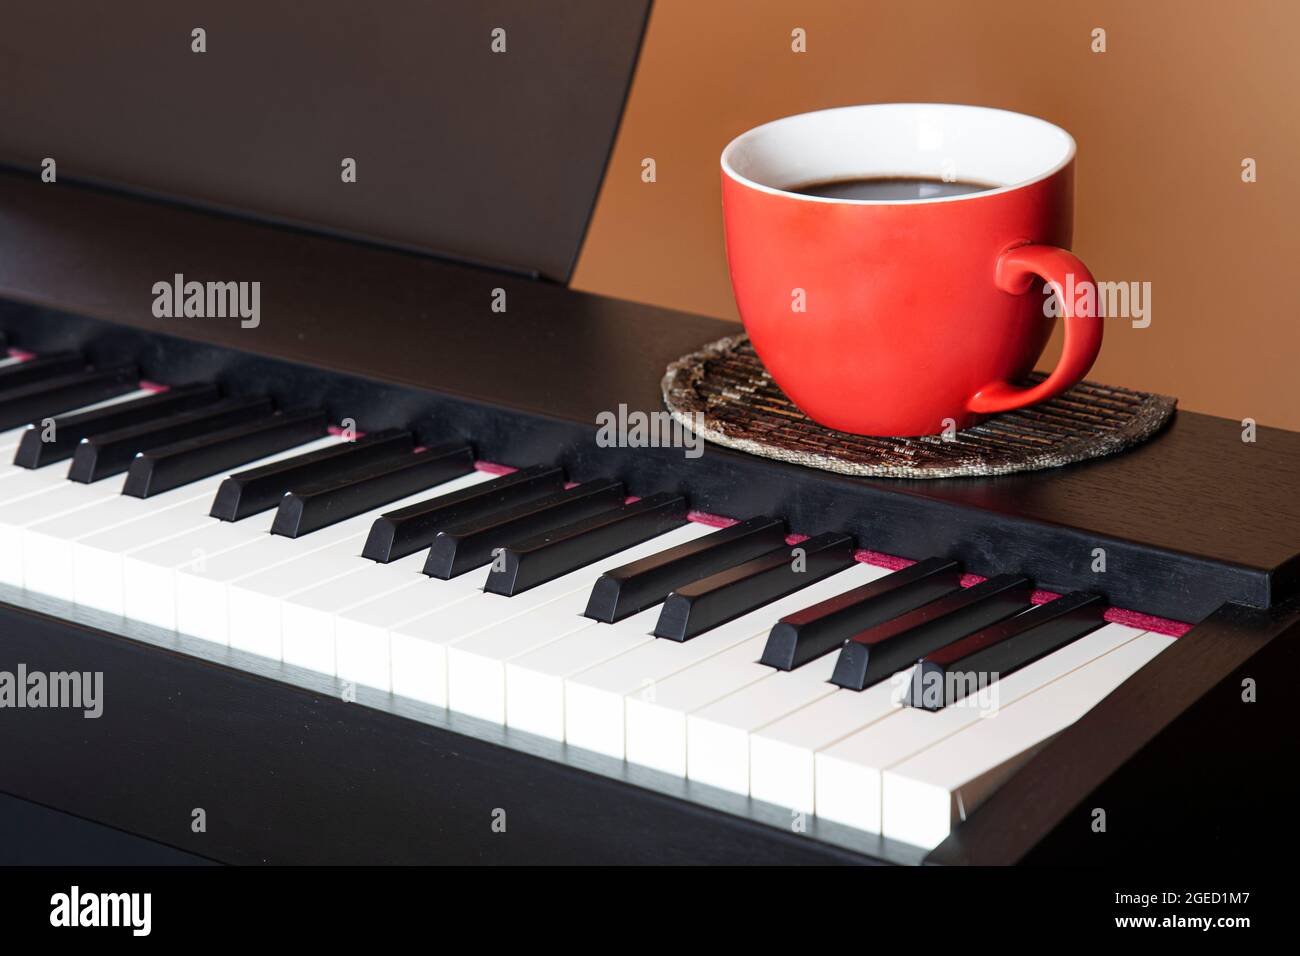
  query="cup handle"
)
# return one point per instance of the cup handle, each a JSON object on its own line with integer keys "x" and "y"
{"x": 1015, "y": 273}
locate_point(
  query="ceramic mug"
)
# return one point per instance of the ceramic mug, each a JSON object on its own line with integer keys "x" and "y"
{"x": 907, "y": 317}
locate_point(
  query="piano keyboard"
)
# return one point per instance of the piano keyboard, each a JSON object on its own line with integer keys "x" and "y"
{"x": 732, "y": 654}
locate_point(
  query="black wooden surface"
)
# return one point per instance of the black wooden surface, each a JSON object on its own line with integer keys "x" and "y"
{"x": 488, "y": 157}
{"x": 33, "y": 835}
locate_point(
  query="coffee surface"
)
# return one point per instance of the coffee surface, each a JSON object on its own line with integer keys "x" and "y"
{"x": 891, "y": 187}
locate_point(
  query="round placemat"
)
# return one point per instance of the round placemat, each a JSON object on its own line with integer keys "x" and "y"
{"x": 739, "y": 406}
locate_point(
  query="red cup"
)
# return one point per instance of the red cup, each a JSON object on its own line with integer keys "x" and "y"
{"x": 918, "y": 315}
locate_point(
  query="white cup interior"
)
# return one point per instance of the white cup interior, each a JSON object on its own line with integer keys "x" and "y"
{"x": 993, "y": 147}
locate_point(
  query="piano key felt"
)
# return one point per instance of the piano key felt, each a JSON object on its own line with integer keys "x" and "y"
{"x": 399, "y": 533}
{"x": 310, "y": 508}
{"x": 874, "y": 654}
{"x": 470, "y": 544}
{"x": 625, "y": 591}
{"x": 40, "y": 447}
{"x": 250, "y": 492}
{"x": 977, "y": 660}
{"x": 536, "y": 560}
{"x": 696, "y": 607}
{"x": 161, "y": 469}
{"x": 813, "y": 631}
{"x": 111, "y": 452}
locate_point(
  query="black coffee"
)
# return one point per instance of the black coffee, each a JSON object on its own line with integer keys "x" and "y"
{"x": 891, "y": 187}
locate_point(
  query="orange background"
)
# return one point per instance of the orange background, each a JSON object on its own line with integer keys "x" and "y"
{"x": 1184, "y": 92}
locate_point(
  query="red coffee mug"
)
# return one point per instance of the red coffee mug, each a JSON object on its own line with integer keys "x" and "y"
{"x": 907, "y": 317}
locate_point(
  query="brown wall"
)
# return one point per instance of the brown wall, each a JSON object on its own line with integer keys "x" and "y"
{"x": 1163, "y": 119}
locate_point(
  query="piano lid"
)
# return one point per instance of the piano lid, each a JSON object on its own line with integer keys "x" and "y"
{"x": 483, "y": 156}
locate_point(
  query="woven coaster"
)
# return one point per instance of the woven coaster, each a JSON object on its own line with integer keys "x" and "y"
{"x": 743, "y": 408}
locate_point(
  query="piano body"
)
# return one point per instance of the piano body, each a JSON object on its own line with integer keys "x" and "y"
{"x": 362, "y": 585}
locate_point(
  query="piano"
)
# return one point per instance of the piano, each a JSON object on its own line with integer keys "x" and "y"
{"x": 355, "y": 581}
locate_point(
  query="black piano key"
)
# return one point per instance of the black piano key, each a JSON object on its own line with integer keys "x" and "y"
{"x": 470, "y": 544}
{"x": 110, "y": 453}
{"x": 879, "y": 652}
{"x": 312, "y": 507}
{"x": 976, "y": 661}
{"x": 37, "y": 400}
{"x": 40, "y": 446}
{"x": 399, "y": 533}
{"x": 526, "y": 564}
{"x": 807, "y": 634}
{"x": 252, "y": 492}
{"x": 634, "y": 587}
{"x": 39, "y": 369}
{"x": 171, "y": 466}
{"x": 697, "y": 607}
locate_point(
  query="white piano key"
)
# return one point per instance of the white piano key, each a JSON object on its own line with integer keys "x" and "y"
{"x": 717, "y": 736}
{"x": 59, "y": 497}
{"x": 50, "y": 541}
{"x": 926, "y": 795}
{"x": 477, "y": 665}
{"x": 255, "y": 599}
{"x": 781, "y": 754}
{"x": 534, "y": 682}
{"x": 148, "y": 573}
{"x": 20, "y": 507}
{"x": 361, "y": 643}
{"x": 848, "y": 773}
{"x": 202, "y": 605}
{"x": 8, "y": 445}
{"x": 307, "y": 618}
{"x": 21, "y": 483}
{"x": 98, "y": 576}
{"x": 202, "y": 592}
{"x": 593, "y": 698}
{"x": 422, "y": 643}
{"x": 47, "y": 546}
{"x": 476, "y": 675}
{"x": 656, "y": 714}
